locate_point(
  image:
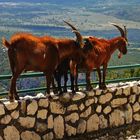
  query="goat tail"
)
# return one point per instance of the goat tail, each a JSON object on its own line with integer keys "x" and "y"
{"x": 11, "y": 54}
{"x": 5, "y": 43}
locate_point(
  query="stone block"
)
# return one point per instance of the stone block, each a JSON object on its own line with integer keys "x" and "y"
{"x": 15, "y": 114}
{"x": 103, "y": 122}
{"x": 81, "y": 126}
{"x": 72, "y": 108}
{"x": 93, "y": 123}
{"x": 43, "y": 103}
{"x": 99, "y": 109}
{"x": 32, "y": 108}
{"x": 136, "y": 107}
{"x": 105, "y": 98}
{"x": 65, "y": 97}
{"x": 119, "y": 91}
{"x": 27, "y": 122}
{"x": 82, "y": 107}
{"x": 30, "y": 135}
{"x": 2, "y": 111}
{"x": 135, "y": 89}
{"x": 136, "y": 117}
{"x": 72, "y": 117}
{"x": 107, "y": 110}
{"x": 50, "y": 122}
{"x": 89, "y": 102}
{"x": 6, "y": 119}
{"x": 128, "y": 114}
{"x": 95, "y": 100}
{"x": 41, "y": 127}
{"x": 23, "y": 107}
{"x": 59, "y": 127}
{"x": 78, "y": 96}
{"x": 48, "y": 136}
{"x": 118, "y": 102}
{"x": 91, "y": 93}
{"x": 42, "y": 114}
{"x": 70, "y": 130}
{"x": 57, "y": 108}
{"x": 11, "y": 133}
{"x": 132, "y": 99}
{"x": 126, "y": 90}
{"x": 116, "y": 118}
{"x": 98, "y": 92}
{"x": 11, "y": 106}
{"x": 86, "y": 113}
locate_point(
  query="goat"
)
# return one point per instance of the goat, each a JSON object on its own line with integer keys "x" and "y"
{"x": 28, "y": 52}
{"x": 97, "y": 52}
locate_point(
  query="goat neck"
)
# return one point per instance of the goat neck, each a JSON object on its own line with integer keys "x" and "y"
{"x": 68, "y": 48}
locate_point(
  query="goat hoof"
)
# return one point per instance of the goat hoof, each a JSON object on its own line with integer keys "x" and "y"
{"x": 11, "y": 99}
{"x": 73, "y": 92}
{"x": 50, "y": 97}
{"x": 17, "y": 97}
{"x": 65, "y": 90}
{"x": 76, "y": 89}
{"x": 89, "y": 88}
{"x": 60, "y": 93}
{"x": 103, "y": 87}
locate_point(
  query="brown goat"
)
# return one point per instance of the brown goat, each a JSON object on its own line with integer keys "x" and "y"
{"x": 97, "y": 52}
{"x": 28, "y": 52}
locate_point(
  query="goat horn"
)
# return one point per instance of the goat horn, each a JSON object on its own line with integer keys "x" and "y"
{"x": 120, "y": 29}
{"x": 77, "y": 33}
{"x": 125, "y": 31}
{"x": 70, "y": 25}
{"x": 79, "y": 37}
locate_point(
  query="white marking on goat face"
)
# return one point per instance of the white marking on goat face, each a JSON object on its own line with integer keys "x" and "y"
{"x": 44, "y": 55}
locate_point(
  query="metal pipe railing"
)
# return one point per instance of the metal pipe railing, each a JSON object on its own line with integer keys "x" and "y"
{"x": 39, "y": 74}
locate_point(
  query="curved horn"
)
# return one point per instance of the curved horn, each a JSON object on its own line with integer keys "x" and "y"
{"x": 77, "y": 33}
{"x": 125, "y": 31}
{"x": 70, "y": 25}
{"x": 120, "y": 29}
{"x": 79, "y": 37}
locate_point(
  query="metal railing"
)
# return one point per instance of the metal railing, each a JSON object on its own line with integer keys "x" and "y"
{"x": 39, "y": 74}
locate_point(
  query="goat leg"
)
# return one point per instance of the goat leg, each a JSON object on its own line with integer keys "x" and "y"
{"x": 48, "y": 80}
{"x": 76, "y": 82}
{"x": 72, "y": 83}
{"x": 54, "y": 87}
{"x": 65, "y": 82}
{"x": 100, "y": 77}
{"x": 104, "y": 75}
{"x": 88, "y": 86}
{"x": 13, "y": 94}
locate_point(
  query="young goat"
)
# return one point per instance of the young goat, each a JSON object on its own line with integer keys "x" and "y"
{"x": 28, "y": 52}
{"x": 98, "y": 52}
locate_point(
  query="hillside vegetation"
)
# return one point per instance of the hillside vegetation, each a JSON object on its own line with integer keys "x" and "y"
{"x": 91, "y": 17}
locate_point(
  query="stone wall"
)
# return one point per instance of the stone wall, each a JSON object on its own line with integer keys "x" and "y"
{"x": 68, "y": 115}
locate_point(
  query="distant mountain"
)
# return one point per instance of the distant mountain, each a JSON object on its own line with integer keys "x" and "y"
{"x": 128, "y": 9}
{"x": 79, "y": 2}
{"x": 94, "y": 2}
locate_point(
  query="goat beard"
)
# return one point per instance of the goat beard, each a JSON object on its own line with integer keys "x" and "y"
{"x": 119, "y": 55}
